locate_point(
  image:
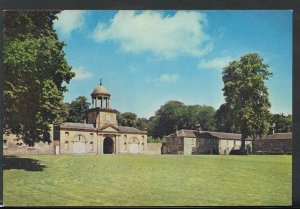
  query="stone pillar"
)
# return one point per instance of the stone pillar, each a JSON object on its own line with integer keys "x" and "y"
{"x": 117, "y": 144}
{"x": 101, "y": 102}
{"x": 108, "y": 103}
{"x": 100, "y": 144}
{"x": 96, "y": 101}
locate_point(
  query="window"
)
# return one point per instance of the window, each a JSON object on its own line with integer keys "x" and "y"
{"x": 4, "y": 143}
{"x": 92, "y": 134}
{"x": 66, "y": 145}
{"x": 31, "y": 146}
{"x": 91, "y": 146}
{"x": 66, "y": 133}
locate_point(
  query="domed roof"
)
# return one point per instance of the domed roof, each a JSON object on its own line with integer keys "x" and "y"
{"x": 100, "y": 90}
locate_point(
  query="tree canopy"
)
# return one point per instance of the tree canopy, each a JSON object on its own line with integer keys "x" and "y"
{"x": 34, "y": 70}
{"x": 247, "y": 95}
{"x": 176, "y": 115}
{"x": 77, "y": 110}
{"x": 224, "y": 119}
{"x": 283, "y": 123}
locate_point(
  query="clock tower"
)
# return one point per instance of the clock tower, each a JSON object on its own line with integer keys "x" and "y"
{"x": 101, "y": 114}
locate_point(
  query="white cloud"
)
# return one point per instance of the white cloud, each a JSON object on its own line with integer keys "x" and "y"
{"x": 81, "y": 73}
{"x": 152, "y": 31}
{"x": 69, "y": 20}
{"x": 165, "y": 78}
{"x": 215, "y": 63}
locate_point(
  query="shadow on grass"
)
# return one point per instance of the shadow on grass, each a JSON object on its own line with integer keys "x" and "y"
{"x": 28, "y": 164}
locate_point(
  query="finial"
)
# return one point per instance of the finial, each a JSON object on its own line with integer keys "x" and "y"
{"x": 100, "y": 81}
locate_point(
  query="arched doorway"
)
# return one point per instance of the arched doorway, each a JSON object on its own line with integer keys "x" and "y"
{"x": 134, "y": 146}
{"x": 108, "y": 146}
{"x": 79, "y": 145}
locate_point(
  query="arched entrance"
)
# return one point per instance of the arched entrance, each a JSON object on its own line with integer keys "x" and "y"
{"x": 108, "y": 146}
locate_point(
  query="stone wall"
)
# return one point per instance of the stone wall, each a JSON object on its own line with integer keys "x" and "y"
{"x": 225, "y": 145}
{"x": 123, "y": 143}
{"x": 126, "y": 140}
{"x": 69, "y": 137}
{"x": 206, "y": 146}
{"x": 174, "y": 145}
{"x": 273, "y": 146}
{"x": 154, "y": 148}
{"x": 13, "y": 146}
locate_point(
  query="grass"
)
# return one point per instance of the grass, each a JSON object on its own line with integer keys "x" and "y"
{"x": 126, "y": 180}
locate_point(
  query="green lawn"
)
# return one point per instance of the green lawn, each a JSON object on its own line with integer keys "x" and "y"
{"x": 126, "y": 180}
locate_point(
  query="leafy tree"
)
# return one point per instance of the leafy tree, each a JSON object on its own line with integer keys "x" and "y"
{"x": 169, "y": 117}
{"x": 200, "y": 115}
{"x": 176, "y": 115}
{"x": 77, "y": 110}
{"x": 282, "y": 123}
{"x": 247, "y": 96}
{"x": 130, "y": 119}
{"x": 34, "y": 70}
{"x": 224, "y": 119}
{"x": 142, "y": 123}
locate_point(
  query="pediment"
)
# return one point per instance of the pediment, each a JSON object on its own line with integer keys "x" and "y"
{"x": 109, "y": 128}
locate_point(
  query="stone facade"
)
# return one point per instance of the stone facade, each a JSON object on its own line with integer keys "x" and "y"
{"x": 109, "y": 140}
{"x": 188, "y": 142}
{"x": 277, "y": 143}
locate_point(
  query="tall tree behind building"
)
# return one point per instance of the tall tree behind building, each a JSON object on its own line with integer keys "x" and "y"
{"x": 34, "y": 71}
{"x": 77, "y": 110}
{"x": 283, "y": 123}
{"x": 247, "y": 95}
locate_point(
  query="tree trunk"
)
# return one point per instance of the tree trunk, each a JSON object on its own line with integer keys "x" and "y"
{"x": 243, "y": 145}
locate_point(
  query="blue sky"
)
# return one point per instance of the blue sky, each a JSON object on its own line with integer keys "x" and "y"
{"x": 146, "y": 58}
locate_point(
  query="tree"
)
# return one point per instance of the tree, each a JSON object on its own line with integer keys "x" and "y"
{"x": 130, "y": 119}
{"x": 282, "y": 123}
{"x": 224, "y": 119}
{"x": 247, "y": 96}
{"x": 200, "y": 115}
{"x": 77, "y": 110}
{"x": 176, "y": 115}
{"x": 34, "y": 70}
{"x": 142, "y": 123}
{"x": 169, "y": 117}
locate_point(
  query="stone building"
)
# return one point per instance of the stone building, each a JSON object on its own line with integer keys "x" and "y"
{"x": 188, "y": 142}
{"x": 277, "y": 143}
{"x": 100, "y": 135}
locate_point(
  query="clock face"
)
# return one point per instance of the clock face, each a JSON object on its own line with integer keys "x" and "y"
{"x": 107, "y": 117}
